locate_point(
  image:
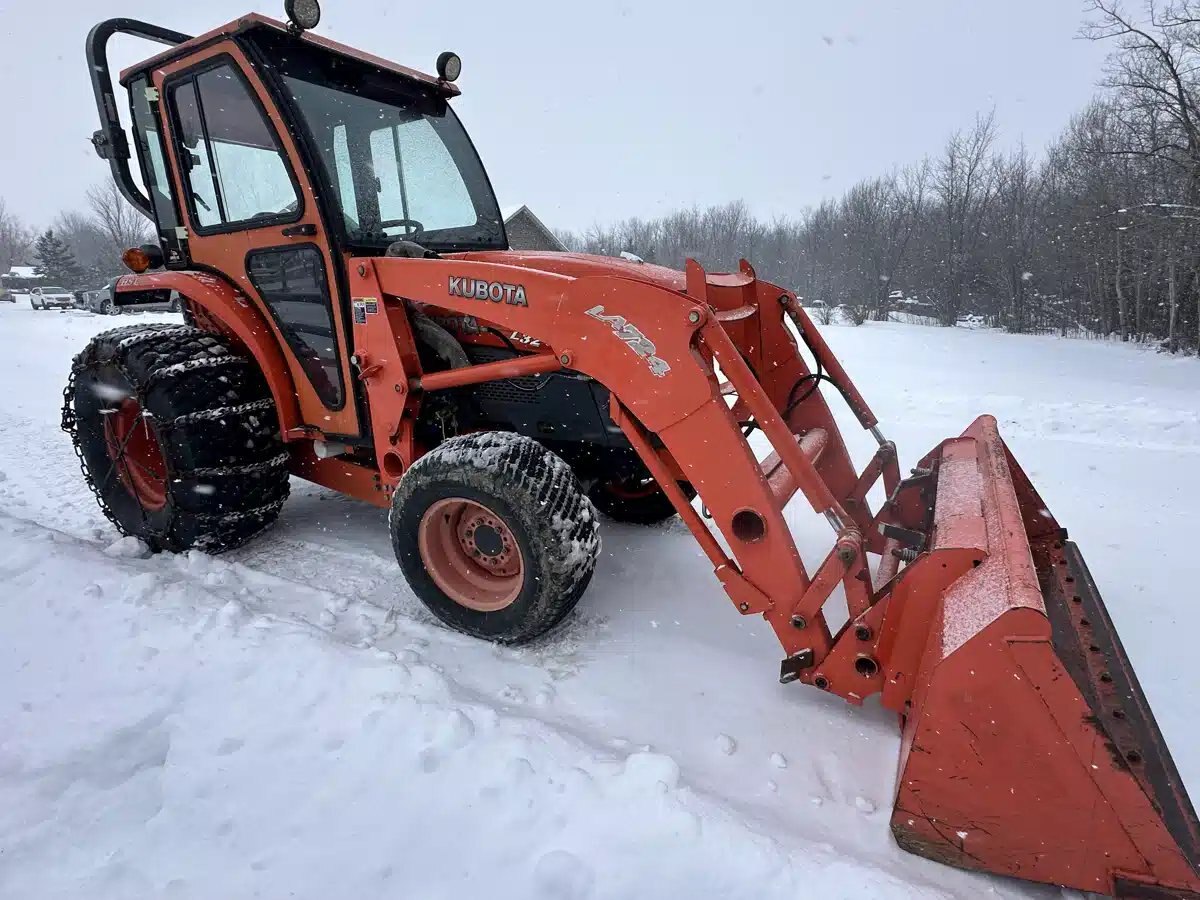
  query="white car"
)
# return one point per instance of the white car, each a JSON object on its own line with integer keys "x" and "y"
{"x": 43, "y": 297}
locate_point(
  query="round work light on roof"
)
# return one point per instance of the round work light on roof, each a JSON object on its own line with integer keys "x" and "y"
{"x": 303, "y": 14}
{"x": 449, "y": 66}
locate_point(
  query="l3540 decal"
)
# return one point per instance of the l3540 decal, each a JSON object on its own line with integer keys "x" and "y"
{"x": 634, "y": 339}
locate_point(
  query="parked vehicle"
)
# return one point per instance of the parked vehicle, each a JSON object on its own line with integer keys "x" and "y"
{"x": 173, "y": 303}
{"x": 100, "y": 301}
{"x": 51, "y": 297}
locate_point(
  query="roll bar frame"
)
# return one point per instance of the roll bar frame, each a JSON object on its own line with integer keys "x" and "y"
{"x": 110, "y": 140}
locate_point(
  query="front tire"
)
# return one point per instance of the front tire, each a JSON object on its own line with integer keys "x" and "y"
{"x": 177, "y": 436}
{"x": 495, "y": 536}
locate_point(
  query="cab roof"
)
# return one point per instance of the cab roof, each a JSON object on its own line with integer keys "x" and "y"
{"x": 254, "y": 22}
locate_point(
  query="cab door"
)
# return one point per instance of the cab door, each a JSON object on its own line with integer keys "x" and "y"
{"x": 251, "y": 214}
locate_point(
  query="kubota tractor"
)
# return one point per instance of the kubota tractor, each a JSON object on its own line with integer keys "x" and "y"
{"x": 355, "y": 318}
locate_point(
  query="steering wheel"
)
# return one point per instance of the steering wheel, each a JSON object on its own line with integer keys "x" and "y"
{"x": 411, "y": 223}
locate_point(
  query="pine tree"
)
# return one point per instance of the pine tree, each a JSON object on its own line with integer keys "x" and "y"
{"x": 56, "y": 261}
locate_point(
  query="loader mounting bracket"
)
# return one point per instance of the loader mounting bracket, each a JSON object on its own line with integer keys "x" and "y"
{"x": 791, "y": 668}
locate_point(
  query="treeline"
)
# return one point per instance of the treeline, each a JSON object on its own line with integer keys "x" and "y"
{"x": 1096, "y": 235}
{"x": 80, "y": 249}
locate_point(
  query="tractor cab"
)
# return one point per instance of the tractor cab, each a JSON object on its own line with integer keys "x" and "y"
{"x": 271, "y": 155}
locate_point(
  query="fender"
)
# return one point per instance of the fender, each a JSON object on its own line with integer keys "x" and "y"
{"x": 218, "y": 306}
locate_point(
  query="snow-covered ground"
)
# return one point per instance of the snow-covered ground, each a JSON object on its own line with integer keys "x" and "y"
{"x": 286, "y": 721}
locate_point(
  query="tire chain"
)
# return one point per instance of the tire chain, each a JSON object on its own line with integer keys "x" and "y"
{"x": 70, "y": 424}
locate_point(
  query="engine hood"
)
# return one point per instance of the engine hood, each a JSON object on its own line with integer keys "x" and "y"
{"x": 580, "y": 265}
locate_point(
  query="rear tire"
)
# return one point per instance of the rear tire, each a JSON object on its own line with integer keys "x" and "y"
{"x": 634, "y": 501}
{"x": 476, "y": 510}
{"x": 177, "y": 436}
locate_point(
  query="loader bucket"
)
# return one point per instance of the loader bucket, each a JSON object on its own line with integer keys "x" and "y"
{"x": 1028, "y": 746}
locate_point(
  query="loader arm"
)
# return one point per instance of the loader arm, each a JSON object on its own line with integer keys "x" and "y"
{"x": 959, "y": 613}
{"x": 659, "y": 353}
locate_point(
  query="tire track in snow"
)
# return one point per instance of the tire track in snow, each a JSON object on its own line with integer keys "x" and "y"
{"x": 237, "y": 601}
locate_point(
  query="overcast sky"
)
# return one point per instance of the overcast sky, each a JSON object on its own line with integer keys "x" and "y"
{"x": 595, "y": 111}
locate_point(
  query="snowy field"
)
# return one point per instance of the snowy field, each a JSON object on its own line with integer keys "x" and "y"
{"x": 286, "y": 721}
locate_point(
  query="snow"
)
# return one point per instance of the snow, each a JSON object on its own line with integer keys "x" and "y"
{"x": 287, "y": 720}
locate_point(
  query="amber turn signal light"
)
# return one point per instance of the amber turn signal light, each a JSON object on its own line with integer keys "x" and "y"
{"x": 136, "y": 259}
{"x": 139, "y": 259}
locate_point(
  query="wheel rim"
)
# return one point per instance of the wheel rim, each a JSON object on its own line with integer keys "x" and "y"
{"x": 470, "y": 554}
{"x": 136, "y": 455}
{"x": 632, "y": 488}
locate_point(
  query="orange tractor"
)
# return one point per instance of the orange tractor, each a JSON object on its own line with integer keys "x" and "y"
{"x": 355, "y": 318}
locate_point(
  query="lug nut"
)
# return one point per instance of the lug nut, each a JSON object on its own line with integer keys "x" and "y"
{"x": 743, "y": 606}
{"x": 694, "y": 316}
{"x": 565, "y": 359}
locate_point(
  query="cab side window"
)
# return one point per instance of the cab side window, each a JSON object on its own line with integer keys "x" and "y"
{"x": 235, "y": 169}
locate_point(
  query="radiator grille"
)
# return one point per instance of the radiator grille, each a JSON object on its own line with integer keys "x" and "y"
{"x": 525, "y": 389}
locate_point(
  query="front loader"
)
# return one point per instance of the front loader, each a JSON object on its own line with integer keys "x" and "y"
{"x": 355, "y": 318}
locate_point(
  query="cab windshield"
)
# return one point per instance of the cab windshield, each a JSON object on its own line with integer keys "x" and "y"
{"x": 395, "y": 157}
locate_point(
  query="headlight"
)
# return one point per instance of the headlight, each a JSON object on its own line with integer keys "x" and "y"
{"x": 449, "y": 66}
{"x": 303, "y": 14}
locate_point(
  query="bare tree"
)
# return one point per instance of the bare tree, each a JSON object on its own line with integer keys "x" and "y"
{"x": 112, "y": 215}
{"x": 964, "y": 182}
{"x": 1152, "y": 76}
{"x": 16, "y": 240}
{"x": 1095, "y": 237}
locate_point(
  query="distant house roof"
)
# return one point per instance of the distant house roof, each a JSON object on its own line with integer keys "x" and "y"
{"x": 24, "y": 272}
{"x": 527, "y": 232}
